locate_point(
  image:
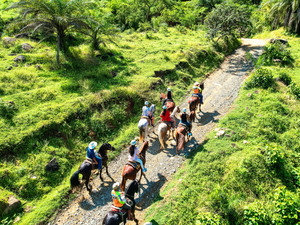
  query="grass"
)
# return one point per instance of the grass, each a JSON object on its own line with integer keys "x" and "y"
{"x": 51, "y": 111}
{"x": 250, "y": 177}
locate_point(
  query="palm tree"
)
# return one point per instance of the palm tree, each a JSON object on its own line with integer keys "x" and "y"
{"x": 52, "y": 16}
{"x": 286, "y": 13}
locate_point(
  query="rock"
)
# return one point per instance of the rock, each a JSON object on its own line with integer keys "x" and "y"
{"x": 148, "y": 223}
{"x": 232, "y": 132}
{"x": 249, "y": 94}
{"x": 13, "y": 204}
{"x": 15, "y": 65}
{"x": 27, "y": 47}
{"x": 52, "y": 165}
{"x": 282, "y": 41}
{"x": 227, "y": 135}
{"x": 9, "y": 68}
{"x": 38, "y": 67}
{"x": 20, "y": 58}
{"x": 245, "y": 142}
{"x": 220, "y": 133}
{"x": 9, "y": 41}
{"x": 233, "y": 145}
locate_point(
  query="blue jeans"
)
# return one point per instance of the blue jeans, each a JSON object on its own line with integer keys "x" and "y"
{"x": 99, "y": 160}
{"x": 201, "y": 97}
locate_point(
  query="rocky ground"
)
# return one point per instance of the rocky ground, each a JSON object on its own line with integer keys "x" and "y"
{"x": 221, "y": 89}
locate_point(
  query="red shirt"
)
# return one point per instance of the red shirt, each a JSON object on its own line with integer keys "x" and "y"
{"x": 166, "y": 117}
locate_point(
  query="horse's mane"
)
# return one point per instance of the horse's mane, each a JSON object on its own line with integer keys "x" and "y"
{"x": 132, "y": 185}
{"x": 144, "y": 147}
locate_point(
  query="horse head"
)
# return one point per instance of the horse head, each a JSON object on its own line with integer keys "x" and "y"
{"x": 132, "y": 189}
{"x": 144, "y": 147}
{"x": 104, "y": 147}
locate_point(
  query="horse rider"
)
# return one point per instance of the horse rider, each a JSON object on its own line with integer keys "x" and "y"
{"x": 147, "y": 113}
{"x": 165, "y": 117}
{"x": 133, "y": 155}
{"x": 184, "y": 120}
{"x": 198, "y": 91}
{"x": 92, "y": 156}
{"x": 169, "y": 96}
{"x": 119, "y": 202}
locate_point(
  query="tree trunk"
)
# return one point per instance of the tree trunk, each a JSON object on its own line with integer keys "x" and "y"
{"x": 57, "y": 49}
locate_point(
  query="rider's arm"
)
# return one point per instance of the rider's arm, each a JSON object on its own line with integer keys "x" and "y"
{"x": 120, "y": 198}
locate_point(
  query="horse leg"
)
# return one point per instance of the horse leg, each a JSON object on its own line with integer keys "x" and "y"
{"x": 101, "y": 175}
{"x": 141, "y": 175}
{"x": 87, "y": 179}
{"x": 123, "y": 183}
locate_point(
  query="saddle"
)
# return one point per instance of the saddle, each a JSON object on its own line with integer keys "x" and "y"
{"x": 195, "y": 95}
{"x": 168, "y": 123}
{"x": 134, "y": 164}
{"x": 94, "y": 166}
{"x": 186, "y": 127}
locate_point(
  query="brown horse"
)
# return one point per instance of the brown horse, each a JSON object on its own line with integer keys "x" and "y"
{"x": 180, "y": 133}
{"x": 163, "y": 128}
{"x": 194, "y": 103}
{"x": 168, "y": 102}
{"x": 129, "y": 172}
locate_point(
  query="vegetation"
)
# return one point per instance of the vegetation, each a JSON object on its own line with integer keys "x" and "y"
{"x": 250, "y": 176}
{"x": 117, "y": 54}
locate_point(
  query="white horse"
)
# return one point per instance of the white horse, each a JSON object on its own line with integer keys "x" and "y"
{"x": 143, "y": 124}
{"x": 163, "y": 128}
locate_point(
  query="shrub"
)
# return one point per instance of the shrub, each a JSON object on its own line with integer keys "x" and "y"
{"x": 285, "y": 78}
{"x": 256, "y": 215}
{"x": 276, "y": 52}
{"x": 262, "y": 78}
{"x": 295, "y": 90}
{"x": 7, "y": 109}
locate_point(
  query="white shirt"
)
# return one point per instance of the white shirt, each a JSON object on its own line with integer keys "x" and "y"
{"x": 146, "y": 111}
{"x": 134, "y": 157}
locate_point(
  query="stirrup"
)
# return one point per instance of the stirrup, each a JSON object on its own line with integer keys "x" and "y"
{"x": 144, "y": 170}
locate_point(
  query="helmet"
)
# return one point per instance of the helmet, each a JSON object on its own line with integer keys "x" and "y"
{"x": 92, "y": 145}
{"x": 116, "y": 186}
{"x": 164, "y": 107}
{"x": 169, "y": 89}
{"x": 133, "y": 142}
{"x": 197, "y": 83}
{"x": 184, "y": 110}
{"x": 195, "y": 87}
{"x": 146, "y": 103}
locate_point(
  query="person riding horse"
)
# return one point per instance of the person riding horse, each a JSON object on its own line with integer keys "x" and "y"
{"x": 91, "y": 156}
{"x": 134, "y": 155}
{"x": 165, "y": 117}
{"x": 184, "y": 120}
{"x": 119, "y": 202}
{"x": 169, "y": 97}
{"x": 198, "y": 92}
{"x": 147, "y": 113}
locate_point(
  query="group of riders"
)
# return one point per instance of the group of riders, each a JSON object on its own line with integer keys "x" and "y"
{"x": 118, "y": 198}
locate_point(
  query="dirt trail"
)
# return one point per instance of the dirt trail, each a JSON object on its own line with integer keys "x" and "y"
{"x": 221, "y": 89}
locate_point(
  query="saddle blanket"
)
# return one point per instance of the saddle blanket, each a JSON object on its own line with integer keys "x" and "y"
{"x": 134, "y": 164}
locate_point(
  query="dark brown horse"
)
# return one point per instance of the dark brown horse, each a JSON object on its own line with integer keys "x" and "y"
{"x": 168, "y": 102}
{"x": 87, "y": 166}
{"x": 129, "y": 172}
{"x": 181, "y": 131}
{"x": 194, "y": 103}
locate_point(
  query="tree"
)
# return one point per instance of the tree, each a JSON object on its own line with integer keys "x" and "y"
{"x": 228, "y": 19}
{"x": 52, "y": 16}
{"x": 286, "y": 13}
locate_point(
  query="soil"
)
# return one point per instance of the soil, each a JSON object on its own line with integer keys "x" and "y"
{"x": 221, "y": 89}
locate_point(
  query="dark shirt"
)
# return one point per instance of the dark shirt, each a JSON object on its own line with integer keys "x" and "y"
{"x": 90, "y": 153}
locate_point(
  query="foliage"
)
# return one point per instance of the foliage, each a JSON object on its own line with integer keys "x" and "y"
{"x": 228, "y": 20}
{"x": 295, "y": 90}
{"x": 285, "y": 78}
{"x": 261, "y": 78}
{"x": 286, "y": 13}
{"x": 7, "y": 109}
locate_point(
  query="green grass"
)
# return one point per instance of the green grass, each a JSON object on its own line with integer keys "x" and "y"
{"x": 56, "y": 108}
{"x": 251, "y": 177}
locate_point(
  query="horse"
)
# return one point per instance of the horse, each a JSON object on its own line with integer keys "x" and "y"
{"x": 113, "y": 217}
{"x": 163, "y": 128}
{"x": 129, "y": 172}
{"x": 168, "y": 102}
{"x": 144, "y": 123}
{"x": 87, "y": 166}
{"x": 180, "y": 133}
{"x": 195, "y": 100}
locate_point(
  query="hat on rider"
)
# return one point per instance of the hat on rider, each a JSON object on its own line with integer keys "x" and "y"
{"x": 164, "y": 107}
{"x": 116, "y": 186}
{"x": 184, "y": 110}
{"x": 92, "y": 145}
{"x": 146, "y": 103}
{"x": 169, "y": 89}
{"x": 133, "y": 142}
{"x": 197, "y": 83}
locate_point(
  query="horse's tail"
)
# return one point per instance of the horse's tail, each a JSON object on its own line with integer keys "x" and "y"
{"x": 161, "y": 136}
{"x": 141, "y": 134}
{"x": 75, "y": 179}
{"x": 180, "y": 139}
{"x": 192, "y": 105}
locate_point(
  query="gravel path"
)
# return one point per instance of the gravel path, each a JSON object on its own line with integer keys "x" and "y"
{"x": 221, "y": 89}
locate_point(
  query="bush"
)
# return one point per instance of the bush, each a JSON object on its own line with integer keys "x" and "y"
{"x": 7, "y": 109}
{"x": 295, "y": 90}
{"x": 276, "y": 52}
{"x": 285, "y": 78}
{"x": 262, "y": 78}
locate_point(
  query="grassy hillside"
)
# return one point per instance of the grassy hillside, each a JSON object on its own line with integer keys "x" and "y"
{"x": 50, "y": 111}
{"x": 250, "y": 176}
